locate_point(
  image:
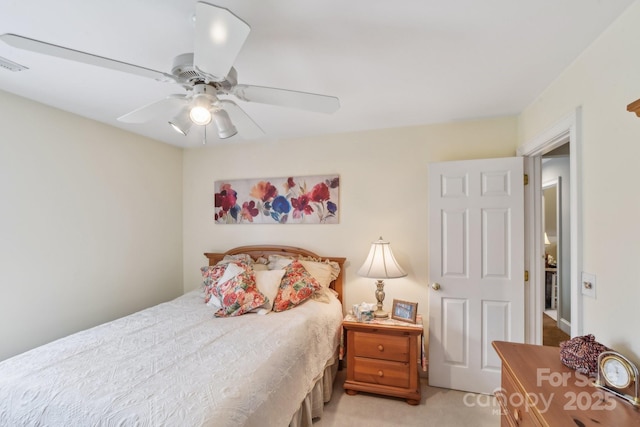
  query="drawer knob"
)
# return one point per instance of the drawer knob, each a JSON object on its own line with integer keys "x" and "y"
{"x": 380, "y": 347}
{"x": 380, "y": 374}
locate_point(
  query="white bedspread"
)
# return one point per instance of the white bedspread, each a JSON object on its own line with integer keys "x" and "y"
{"x": 174, "y": 365}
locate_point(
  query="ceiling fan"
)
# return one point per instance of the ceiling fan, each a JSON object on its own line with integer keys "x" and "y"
{"x": 206, "y": 74}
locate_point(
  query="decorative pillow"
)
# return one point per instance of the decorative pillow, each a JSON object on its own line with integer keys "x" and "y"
{"x": 232, "y": 270}
{"x": 335, "y": 267}
{"x": 320, "y": 271}
{"x": 296, "y": 286}
{"x": 268, "y": 282}
{"x": 238, "y": 257}
{"x": 279, "y": 262}
{"x": 257, "y": 264}
{"x": 211, "y": 275}
{"x": 233, "y": 284}
{"x": 210, "y": 299}
{"x": 239, "y": 295}
{"x": 262, "y": 267}
{"x": 261, "y": 260}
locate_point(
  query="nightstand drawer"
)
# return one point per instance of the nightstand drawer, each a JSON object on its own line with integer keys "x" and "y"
{"x": 371, "y": 371}
{"x": 378, "y": 346}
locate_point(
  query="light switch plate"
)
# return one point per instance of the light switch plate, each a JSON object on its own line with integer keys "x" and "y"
{"x": 588, "y": 284}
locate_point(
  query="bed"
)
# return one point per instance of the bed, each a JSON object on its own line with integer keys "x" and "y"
{"x": 176, "y": 364}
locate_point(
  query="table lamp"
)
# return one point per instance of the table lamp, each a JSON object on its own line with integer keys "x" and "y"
{"x": 381, "y": 264}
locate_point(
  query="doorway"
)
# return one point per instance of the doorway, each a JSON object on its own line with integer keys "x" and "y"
{"x": 565, "y": 132}
{"x": 556, "y": 217}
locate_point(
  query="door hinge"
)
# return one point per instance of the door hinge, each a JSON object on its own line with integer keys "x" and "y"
{"x": 526, "y": 179}
{"x": 526, "y": 275}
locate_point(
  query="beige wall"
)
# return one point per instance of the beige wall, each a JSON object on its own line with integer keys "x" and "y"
{"x": 603, "y": 80}
{"x": 383, "y": 193}
{"x": 90, "y": 223}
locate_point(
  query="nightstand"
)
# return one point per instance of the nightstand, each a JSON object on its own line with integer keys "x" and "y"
{"x": 382, "y": 358}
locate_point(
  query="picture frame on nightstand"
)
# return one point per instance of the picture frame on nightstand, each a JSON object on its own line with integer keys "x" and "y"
{"x": 404, "y": 311}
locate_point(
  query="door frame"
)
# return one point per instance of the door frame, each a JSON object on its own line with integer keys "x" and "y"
{"x": 567, "y": 130}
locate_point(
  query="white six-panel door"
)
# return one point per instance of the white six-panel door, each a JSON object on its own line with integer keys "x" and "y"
{"x": 476, "y": 269}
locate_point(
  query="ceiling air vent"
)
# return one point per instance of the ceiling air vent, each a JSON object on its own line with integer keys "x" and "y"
{"x": 10, "y": 65}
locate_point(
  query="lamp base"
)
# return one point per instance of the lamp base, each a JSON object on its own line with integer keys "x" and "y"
{"x": 379, "y": 314}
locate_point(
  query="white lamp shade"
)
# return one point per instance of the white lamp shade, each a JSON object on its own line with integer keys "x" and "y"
{"x": 546, "y": 239}
{"x": 200, "y": 113}
{"x": 380, "y": 263}
{"x": 200, "y": 116}
{"x": 182, "y": 122}
{"x": 226, "y": 129}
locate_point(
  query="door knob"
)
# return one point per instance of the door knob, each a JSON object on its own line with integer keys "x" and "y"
{"x": 435, "y": 286}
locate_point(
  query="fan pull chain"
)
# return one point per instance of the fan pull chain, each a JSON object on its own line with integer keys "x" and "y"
{"x": 204, "y": 139}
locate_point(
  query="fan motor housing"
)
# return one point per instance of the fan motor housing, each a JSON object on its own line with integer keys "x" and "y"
{"x": 187, "y": 73}
{"x": 184, "y": 69}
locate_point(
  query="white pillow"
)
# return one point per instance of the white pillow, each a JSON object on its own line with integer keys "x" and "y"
{"x": 268, "y": 282}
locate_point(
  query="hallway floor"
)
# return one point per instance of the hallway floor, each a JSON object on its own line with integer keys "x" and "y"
{"x": 551, "y": 334}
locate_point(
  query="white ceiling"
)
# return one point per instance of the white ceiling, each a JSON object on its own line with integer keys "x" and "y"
{"x": 391, "y": 63}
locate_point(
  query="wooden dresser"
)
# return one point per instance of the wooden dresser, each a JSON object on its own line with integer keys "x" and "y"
{"x": 538, "y": 390}
{"x": 383, "y": 359}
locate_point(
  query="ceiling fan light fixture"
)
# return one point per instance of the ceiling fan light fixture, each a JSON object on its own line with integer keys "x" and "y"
{"x": 205, "y": 74}
{"x": 182, "y": 122}
{"x": 200, "y": 116}
{"x": 200, "y": 112}
{"x": 226, "y": 129}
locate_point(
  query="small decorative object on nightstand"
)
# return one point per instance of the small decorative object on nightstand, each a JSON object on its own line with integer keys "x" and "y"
{"x": 404, "y": 310}
{"x": 381, "y": 264}
{"x": 382, "y": 358}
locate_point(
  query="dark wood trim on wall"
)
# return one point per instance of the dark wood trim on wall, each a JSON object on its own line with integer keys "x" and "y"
{"x": 634, "y": 107}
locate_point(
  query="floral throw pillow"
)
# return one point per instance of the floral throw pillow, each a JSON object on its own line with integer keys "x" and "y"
{"x": 237, "y": 293}
{"x": 296, "y": 286}
{"x": 211, "y": 275}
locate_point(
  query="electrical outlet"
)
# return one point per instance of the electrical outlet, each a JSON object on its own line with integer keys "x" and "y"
{"x": 588, "y": 284}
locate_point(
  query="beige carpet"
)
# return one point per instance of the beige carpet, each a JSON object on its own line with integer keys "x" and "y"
{"x": 439, "y": 407}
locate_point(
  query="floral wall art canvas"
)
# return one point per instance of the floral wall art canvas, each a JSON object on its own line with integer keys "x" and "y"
{"x": 289, "y": 200}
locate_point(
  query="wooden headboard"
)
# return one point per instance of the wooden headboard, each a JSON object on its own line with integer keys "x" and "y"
{"x": 264, "y": 251}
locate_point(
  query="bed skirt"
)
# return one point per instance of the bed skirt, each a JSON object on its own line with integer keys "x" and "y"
{"x": 313, "y": 404}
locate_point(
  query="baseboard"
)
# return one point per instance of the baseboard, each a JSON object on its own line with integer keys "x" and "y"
{"x": 565, "y": 326}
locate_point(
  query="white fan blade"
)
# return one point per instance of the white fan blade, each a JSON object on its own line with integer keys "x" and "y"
{"x": 287, "y": 98}
{"x": 37, "y": 46}
{"x": 165, "y": 108}
{"x": 241, "y": 120}
{"x": 219, "y": 37}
